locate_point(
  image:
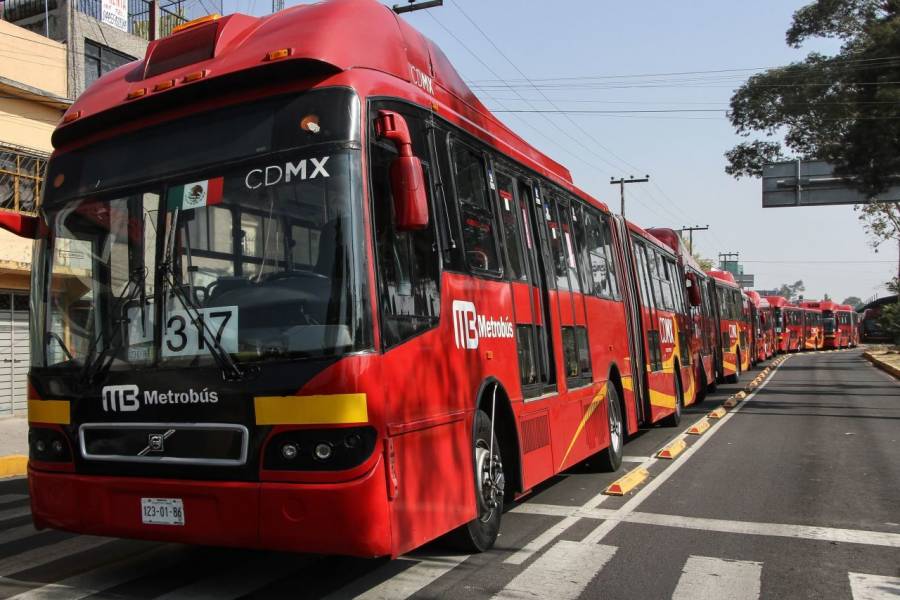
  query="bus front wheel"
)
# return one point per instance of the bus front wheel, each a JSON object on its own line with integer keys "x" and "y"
{"x": 480, "y": 533}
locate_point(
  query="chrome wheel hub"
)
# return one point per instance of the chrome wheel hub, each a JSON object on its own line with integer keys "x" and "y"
{"x": 490, "y": 480}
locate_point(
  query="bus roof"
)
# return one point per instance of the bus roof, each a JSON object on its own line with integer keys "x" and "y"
{"x": 779, "y": 302}
{"x": 316, "y": 40}
{"x": 673, "y": 240}
{"x": 819, "y": 304}
{"x": 723, "y": 277}
{"x": 647, "y": 235}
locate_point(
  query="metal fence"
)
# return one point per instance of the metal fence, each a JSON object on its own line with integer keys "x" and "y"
{"x": 21, "y": 179}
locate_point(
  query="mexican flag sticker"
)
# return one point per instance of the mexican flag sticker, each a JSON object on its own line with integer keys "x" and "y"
{"x": 196, "y": 194}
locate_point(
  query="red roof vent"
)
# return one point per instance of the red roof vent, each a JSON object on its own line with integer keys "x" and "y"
{"x": 181, "y": 49}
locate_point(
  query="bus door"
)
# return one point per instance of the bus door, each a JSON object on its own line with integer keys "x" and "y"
{"x": 631, "y": 295}
{"x": 528, "y": 274}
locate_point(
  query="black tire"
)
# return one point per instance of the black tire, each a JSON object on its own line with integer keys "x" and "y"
{"x": 610, "y": 458}
{"x": 701, "y": 389}
{"x": 675, "y": 418}
{"x": 479, "y": 534}
{"x": 714, "y": 384}
{"x": 736, "y": 377}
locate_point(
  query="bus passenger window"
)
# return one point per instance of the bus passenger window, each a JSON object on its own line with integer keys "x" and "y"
{"x": 509, "y": 219}
{"x": 475, "y": 211}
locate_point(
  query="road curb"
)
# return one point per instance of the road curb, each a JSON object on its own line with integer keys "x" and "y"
{"x": 14, "y": 465}
{"x": 889, "y": 369}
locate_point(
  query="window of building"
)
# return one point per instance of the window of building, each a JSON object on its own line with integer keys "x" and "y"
{"x": 21, "y": 179}
{"x": 100, "y": 60}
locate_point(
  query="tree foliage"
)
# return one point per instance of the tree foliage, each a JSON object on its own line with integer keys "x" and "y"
{"x": 791, "y": 290}
{"x": 843, "y": 108}
{"x": 853, "y": 301}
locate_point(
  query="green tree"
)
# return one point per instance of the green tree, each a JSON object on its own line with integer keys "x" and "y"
{"x": 890, "y": 313}
{"x": 843, "y": 108}
{"x": 853, "y": 301}
{"x": 791, "y": 290}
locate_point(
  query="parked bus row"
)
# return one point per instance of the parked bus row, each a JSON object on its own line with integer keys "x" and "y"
{"x": 296, "y": 288}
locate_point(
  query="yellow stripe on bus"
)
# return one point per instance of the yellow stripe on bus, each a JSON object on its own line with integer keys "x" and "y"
{"x": 49, "y": 411}
{"x": 327, "y": 409}
{"x": 662, "y": 399}
{"x": 587, "y": 415}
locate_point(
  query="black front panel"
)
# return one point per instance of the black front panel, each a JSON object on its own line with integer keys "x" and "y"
{"x": 165, "y": 399}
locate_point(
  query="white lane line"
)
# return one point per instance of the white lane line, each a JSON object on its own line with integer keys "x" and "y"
{"x": 43, "y": 555}
{"x": 554, "y": 510}
{"x": 413, "y": 579}
{"x": 629, "y": 507}
{"x": 561, "y": 573}
{"x": 705, "y": 578}
{"x": 806, "y": 532}
{"x": 104, "y": 578}
{"x": 6, "y": 498}
{"x": 637, "y": 459}
{"x": 240, "y": 581}
{"x": 538, "y": 543}
{"x": 18, "y": 533}
{"x": 12, "y": 513}
{"x": 874, "y": 587}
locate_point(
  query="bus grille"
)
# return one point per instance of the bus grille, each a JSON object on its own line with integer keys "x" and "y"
{"x": 219, "y": 444}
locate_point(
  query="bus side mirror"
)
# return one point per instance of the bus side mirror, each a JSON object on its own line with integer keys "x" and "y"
{"x": 693, "y": 289}
{"x": 26, "y": 226}
{"x": 407, "y": 177}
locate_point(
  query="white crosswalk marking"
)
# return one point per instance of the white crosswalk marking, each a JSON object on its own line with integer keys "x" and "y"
{"x": 561, "y": 573}
{"x": 43, "y": 555}
{"x": 874, "y": 587}
{"x": 707, "y": 578}
{"x": 13, "y": 513}
{"x": 6, "y": 498}
{"x": 413, "y": 579}
{"x": 18, "y": 533}
{"x": 103, "y": 578}
{"x": 239, "y": 582}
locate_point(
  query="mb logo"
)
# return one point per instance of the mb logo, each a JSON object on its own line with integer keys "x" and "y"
{"x": 465, "y": 326}
{"x": 120, "y": 398}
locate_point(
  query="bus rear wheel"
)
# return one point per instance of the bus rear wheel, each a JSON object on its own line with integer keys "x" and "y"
{"x": 675, "y": 418}
{"x": 479, "y": 534}
{"x": 610, "y": 458}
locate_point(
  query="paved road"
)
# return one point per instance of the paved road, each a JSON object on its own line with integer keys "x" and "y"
{"x": 796, "y": 494}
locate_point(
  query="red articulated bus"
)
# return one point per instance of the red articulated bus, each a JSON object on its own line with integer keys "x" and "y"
{"x": 780, "y": 307}
{"x": 704, "y": 329}
{"x": 831, "y": 335}
{"x": 843, "y": 314}
{"x": 813, "y": 331}
{"x": 761, "y": 320}
{"x": 733, "y": 325}
{"x": 296, "y": 288}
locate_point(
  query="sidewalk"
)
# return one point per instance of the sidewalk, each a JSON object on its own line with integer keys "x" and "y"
{"x": 886, "y": 360}
{"x": 13, "y": 446}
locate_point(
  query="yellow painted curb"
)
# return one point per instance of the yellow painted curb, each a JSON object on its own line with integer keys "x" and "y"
{"x": 14, "y": 465}
{"x": 673, "y": 449}
{"x": 717, "y": 413}
{"x": 699, "y": 427}
{"x": 627, "y": 482}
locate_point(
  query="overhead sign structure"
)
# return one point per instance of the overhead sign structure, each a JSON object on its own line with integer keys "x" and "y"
{"x": 745, "y": 280}
{"x": 813, "y": 183}
{"x": 115, "y": 13}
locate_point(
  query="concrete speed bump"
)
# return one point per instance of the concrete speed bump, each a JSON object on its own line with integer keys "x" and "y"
{"x": 730, "y": 402}
{"x": 717, "y": 413}
{"x": 740, "y": 395}
{"x": 699, "y": 427}
{"x": 627, "y": 482}
{"x": 15, "y": 465}
{"x": 673, "y": 449}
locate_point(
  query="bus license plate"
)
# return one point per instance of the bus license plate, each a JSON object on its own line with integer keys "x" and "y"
{"x": 162, "y": 511}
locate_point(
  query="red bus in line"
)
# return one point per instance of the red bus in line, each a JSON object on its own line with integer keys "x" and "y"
{"x": 843, "y": 314}
{"x": 831, "y": 334}
{"x": 704, "y": 330}
{"x": 761, "y": 320}
{"x": 813, "y": 332}
{"x": 854, "y": 328}
{"x": 733, "y": 325}
{"x": 780, "y": 306}
{"x": 368, "y": 320}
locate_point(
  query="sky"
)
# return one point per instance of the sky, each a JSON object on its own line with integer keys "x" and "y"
{"x": 590, "y": 55}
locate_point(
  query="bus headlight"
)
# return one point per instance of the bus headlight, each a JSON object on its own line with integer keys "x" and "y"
{"x": 323, "y": 450}
{"x": 289, "y": 451}
{"x": 332, "y": 449}
{"x": 48, "y": 445}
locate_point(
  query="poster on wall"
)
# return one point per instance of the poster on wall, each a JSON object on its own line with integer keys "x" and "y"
{"x": 115, "y": 13}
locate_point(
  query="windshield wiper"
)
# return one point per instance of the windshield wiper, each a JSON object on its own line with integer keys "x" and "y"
{"x": 93, "y": 366}
{"x": 230, "y": 369}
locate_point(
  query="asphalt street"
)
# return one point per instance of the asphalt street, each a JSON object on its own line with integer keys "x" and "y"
{"x": 793, "y": 494}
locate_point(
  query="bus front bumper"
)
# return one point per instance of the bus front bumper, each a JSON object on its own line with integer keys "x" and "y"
{"x": 349, "y": 518}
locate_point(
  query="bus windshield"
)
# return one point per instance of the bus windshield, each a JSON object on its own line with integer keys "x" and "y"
{"x": 261, "y": 260}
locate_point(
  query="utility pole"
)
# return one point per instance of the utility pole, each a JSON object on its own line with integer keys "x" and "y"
{"x": 691, "y": 231}
{"x": 153, "y": 20}
{"x": 277, "y": 5}
{"x": 724, "y": 259}
{"x": 621, "y": 183}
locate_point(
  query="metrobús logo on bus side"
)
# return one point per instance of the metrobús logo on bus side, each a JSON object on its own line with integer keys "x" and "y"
{"x": 469, "y": 327}
{"x": 127, "y": 398}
